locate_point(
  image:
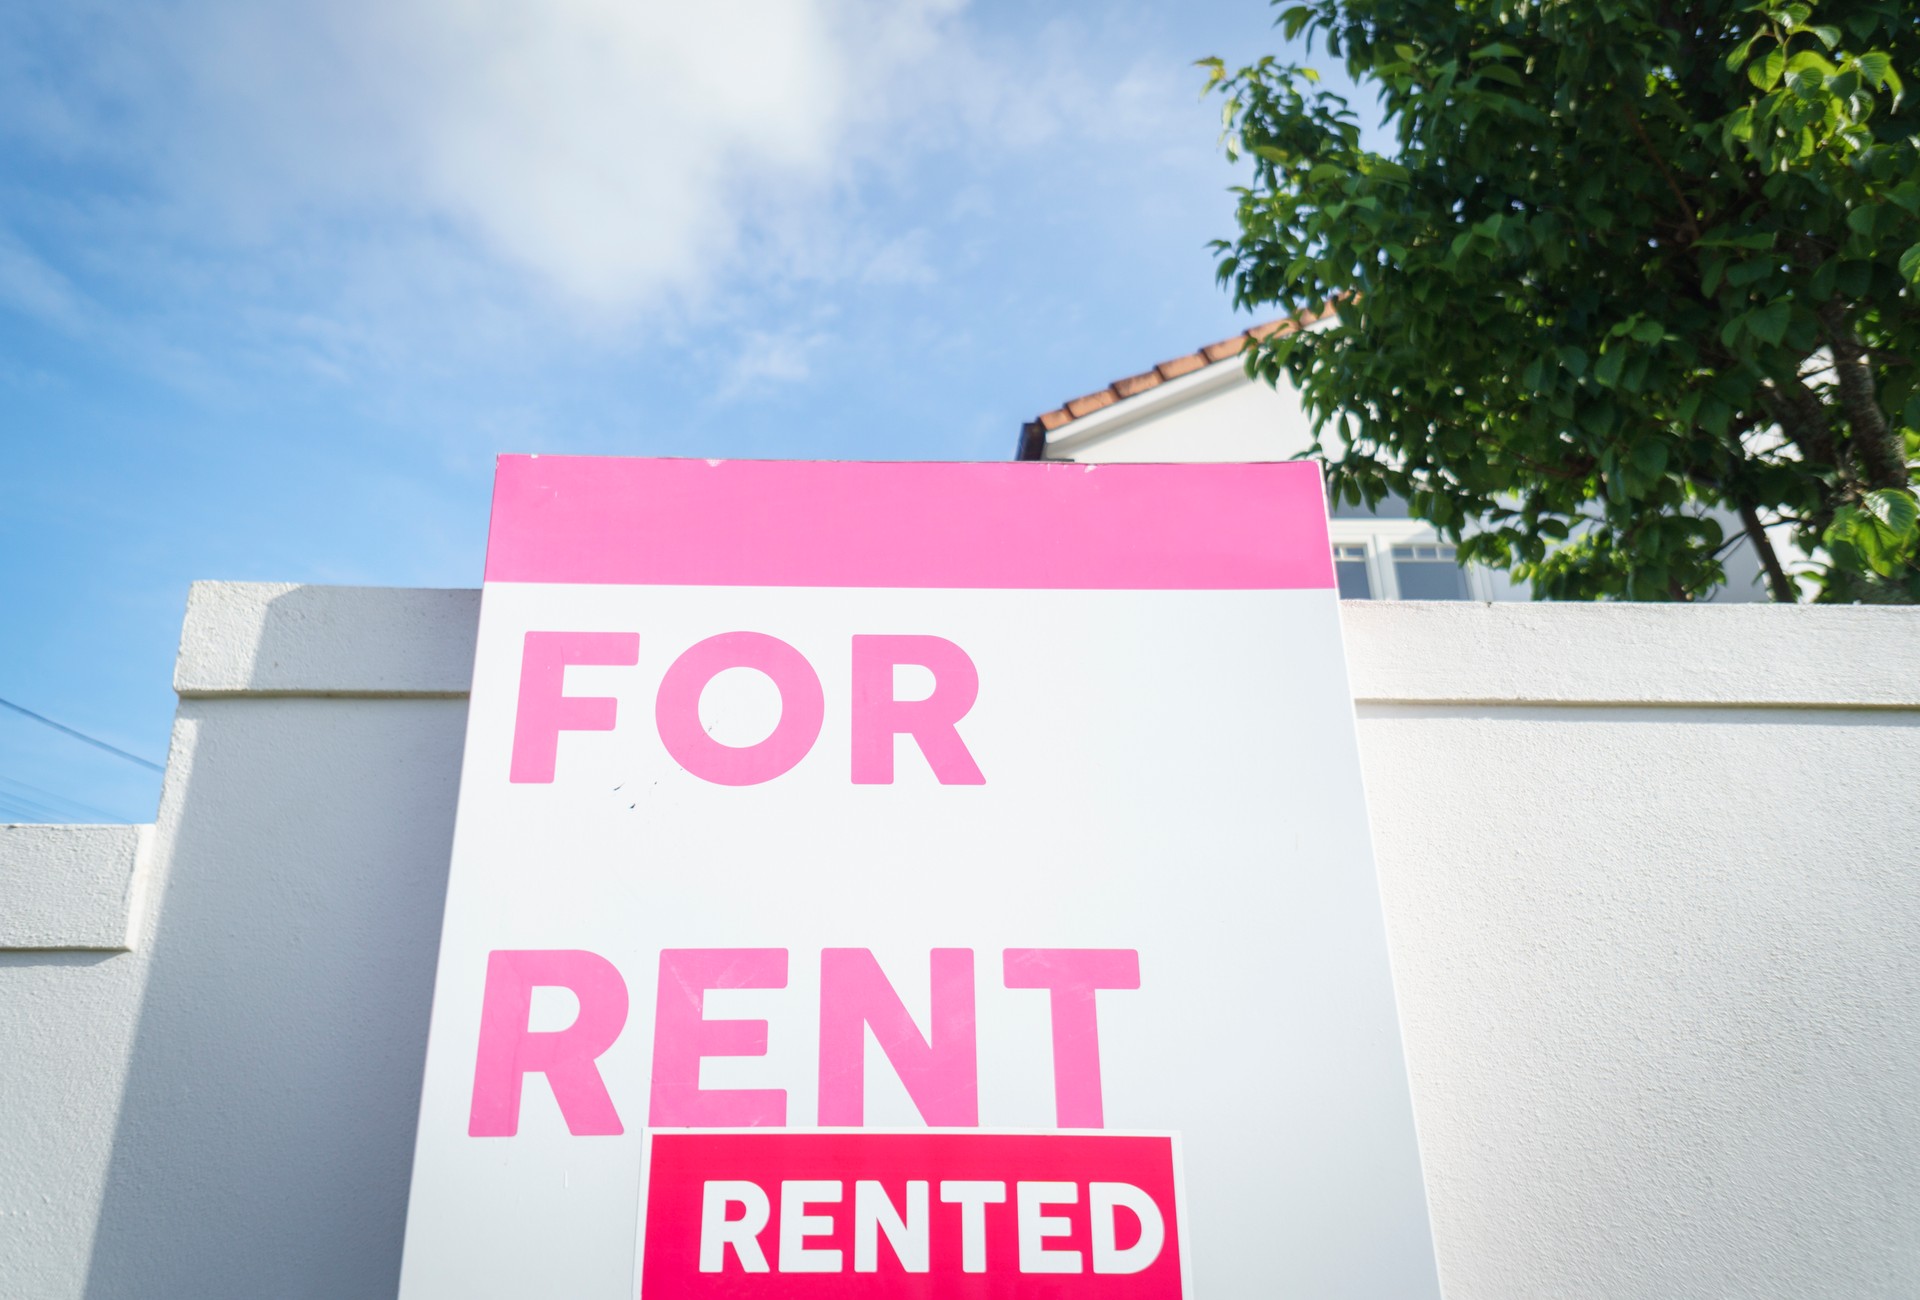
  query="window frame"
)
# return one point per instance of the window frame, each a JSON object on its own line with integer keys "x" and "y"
{"x": 1380, "y": 536}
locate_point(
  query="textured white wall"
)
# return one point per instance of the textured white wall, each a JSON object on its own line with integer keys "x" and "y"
{"x": 69, "y": 887}
{"x": 1650, "y": 884}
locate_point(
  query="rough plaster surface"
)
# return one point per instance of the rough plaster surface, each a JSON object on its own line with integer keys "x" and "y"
{"x": 1649, "y": 881}
{"x": 68, "y": 886}
{"x": 1658, "y": 981}
{"x": 1535, "y": 653}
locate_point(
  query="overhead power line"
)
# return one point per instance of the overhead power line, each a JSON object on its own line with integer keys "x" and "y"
{"x": 82, "y": 736}
{"x": 27, "y": 809}
{"x": 35, "y": 794}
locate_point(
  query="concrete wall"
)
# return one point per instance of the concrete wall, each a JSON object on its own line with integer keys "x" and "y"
{"x": 1649, "y": 872}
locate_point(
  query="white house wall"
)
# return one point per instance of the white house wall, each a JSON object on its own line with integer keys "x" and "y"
{"x": 1223, "y": 417}
{"x": 1649, "y": 880}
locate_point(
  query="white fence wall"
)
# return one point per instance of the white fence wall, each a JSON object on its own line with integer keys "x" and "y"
{"x": 1650, "y": 875}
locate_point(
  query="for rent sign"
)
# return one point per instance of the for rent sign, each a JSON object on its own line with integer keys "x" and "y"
{"x": 912, "y": 880}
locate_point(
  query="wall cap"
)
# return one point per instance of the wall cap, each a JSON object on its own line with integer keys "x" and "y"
{"x": 279, "y": 639}
{"x": 282, "y": 638}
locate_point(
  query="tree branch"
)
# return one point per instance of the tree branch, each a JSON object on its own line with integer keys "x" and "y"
{"x": 1783, "y": 589}
{"x": 1802, "y": 418}
{"x": 1880, "y": 453}
{"x": 1689, "y": 226}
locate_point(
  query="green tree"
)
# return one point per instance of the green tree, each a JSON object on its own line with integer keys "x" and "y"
{"x": 1634, "y": 267}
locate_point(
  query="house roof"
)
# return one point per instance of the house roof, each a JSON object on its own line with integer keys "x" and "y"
{"x": 1033, "y": 434}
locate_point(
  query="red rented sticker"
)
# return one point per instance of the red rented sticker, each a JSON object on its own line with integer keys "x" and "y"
{"x": 926, "y": 1214}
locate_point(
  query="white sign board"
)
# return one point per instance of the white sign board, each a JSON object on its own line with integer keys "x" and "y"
{"x": 912, "y": 880}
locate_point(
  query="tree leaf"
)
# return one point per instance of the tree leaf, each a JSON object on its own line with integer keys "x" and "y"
{"x": 1770, "y": 323}
{"x": 1715, "y": 267}
{"x": 1766, "y": 72}
{"x": 1896, "y": 511}
{"x": 1650, "y": 458}
{"x": 1739, "y": 124}
{"x": 1811, "y": 61}
{"x": 1876, "y": 66}
{"x": 1751, "y": 239}
{"x": 1910, "y": 264}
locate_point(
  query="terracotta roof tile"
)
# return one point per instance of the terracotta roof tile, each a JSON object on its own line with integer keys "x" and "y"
{"x": 1133, "y": 385}
{"x": 1092, "y": 402}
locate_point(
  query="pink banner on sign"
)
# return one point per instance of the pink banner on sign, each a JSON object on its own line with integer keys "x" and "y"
{"x": 939, "y": 1216}
{"x": 745, "y": 523}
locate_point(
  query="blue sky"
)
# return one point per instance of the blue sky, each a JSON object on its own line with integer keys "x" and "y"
{"x": 278, "y": 281}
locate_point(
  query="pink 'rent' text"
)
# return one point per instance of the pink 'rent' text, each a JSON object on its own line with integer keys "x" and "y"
{"x": 939, "y": 1068}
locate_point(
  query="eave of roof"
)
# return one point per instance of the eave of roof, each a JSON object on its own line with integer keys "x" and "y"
{"x": 1033, "y": 434}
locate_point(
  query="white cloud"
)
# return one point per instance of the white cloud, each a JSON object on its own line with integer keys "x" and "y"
{"x": 906, "y": 260}
{"x": 770, "y": 357}
{"x": 29, "y": 285}
{"x": 619, "y": 151}
{"x": 420, "y": 186}
{"x": 40, "y": 291}
{"x": 610, "y": 148}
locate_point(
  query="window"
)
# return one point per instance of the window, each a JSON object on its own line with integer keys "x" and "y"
{"x": 1350, "y": 570}
{"x": 1428, "y": 571}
